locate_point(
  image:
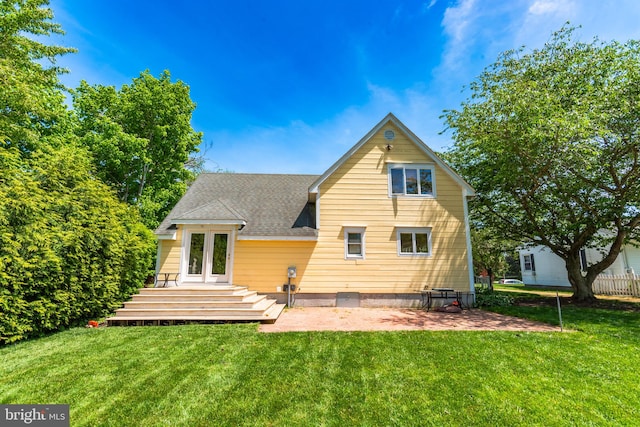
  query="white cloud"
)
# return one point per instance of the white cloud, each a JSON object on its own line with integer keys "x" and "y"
{"x": 607, "y": 19}
{"x": 542, "y": 18}
{"x": 429, "y": 5}
{"x": 302, "y": 147}
{"x": 544, "y": 7}
{"x": 478, "y": 31}
{"x": 457, "y": 19}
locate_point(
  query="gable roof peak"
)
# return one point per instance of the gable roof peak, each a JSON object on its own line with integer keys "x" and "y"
{"x": 391, "y": 118}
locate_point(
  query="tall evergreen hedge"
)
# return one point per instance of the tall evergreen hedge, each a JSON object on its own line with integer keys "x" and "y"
{"x": 69, "y": 250}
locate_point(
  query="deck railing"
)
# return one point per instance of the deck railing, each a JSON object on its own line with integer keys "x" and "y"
{"x": 617, "y": 284}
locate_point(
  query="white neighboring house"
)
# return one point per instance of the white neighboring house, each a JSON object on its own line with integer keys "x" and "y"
{"x": 540, "y": 266}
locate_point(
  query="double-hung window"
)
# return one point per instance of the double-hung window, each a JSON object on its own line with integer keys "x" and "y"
{"x": 412, "y": 180}
{"x": 354, "y": 243}
{"x": 414, "y": 241}
{"x": 529, "y": 263}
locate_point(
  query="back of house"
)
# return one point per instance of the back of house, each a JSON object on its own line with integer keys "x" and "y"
{"x": 384, "y": 222}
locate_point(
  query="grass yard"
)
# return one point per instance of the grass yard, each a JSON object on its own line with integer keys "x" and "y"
{"x": 538, "y": 290}
{"x": 231, "y": 375}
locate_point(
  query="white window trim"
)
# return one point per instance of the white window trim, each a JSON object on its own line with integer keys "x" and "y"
{"x": 532, "y": 265}
{"x": 361, "y": 231}
{"x": 404, "y": 166}
{"x": 414, "y": 231}
{"x": 208, "y": 231}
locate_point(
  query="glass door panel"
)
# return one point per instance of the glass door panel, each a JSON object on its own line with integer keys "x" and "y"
{"x": 207, "y": 257}
{"x": 219, "y": 262}
{"x": 196, "y": 253}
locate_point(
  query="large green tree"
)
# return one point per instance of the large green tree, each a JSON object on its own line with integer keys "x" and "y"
{"x": 491, "y": 252}
{"x": 141, "y": 139}
{"x": 69, "y": 250}
{"x": 550, "y": 139}
{"x": 31, "y": 100}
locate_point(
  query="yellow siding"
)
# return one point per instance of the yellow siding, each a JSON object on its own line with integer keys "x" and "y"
{"x": 170, "y": 251}
{"x": 262, "y": 265}
{"x": 356, "y": 194}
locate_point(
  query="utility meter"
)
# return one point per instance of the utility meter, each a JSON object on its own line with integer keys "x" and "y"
{"x": 291, "y": 272}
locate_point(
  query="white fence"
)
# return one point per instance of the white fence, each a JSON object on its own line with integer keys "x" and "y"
{"x": 617, "y": 284}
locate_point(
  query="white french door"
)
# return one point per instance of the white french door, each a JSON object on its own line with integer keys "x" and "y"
{"x": 207, "y": 256}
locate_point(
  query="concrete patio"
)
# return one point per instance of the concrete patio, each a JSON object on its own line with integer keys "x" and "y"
{"x": 393, "y": 319}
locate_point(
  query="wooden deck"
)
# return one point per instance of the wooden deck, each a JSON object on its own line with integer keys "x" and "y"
{"x": 193, "y": 304}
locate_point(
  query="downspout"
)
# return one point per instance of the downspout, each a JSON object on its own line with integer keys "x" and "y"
{"x": 625, "y": 259}
{"x": 467, "y": 229}
{"x": 318, "y": 209}
{"x": 232, "y": 249}
{"x": 184, "y": 262}
{"x": 158, "y": 253}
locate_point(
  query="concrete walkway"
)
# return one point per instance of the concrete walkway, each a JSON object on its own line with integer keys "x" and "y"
{"x": 395, "y": 319}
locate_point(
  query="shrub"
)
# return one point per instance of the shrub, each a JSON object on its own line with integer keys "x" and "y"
{"x": 486, "y": 297}
{"x": 69, "y": 250}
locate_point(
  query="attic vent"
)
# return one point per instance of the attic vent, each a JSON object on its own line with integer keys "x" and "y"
{"x": 389, "y": 135}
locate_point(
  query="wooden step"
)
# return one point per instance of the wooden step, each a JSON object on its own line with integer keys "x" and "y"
{"x": 186, "y": 297}
{"x": 269, "y": 316}
{"x": 202, "y": 304}
{"x": 189, "y": 311}
{"x": 196, "y": 290}
{"x": 272, "y": 314}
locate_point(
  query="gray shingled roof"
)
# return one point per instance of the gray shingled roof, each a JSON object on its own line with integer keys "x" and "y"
{"x": 271, "y": 205}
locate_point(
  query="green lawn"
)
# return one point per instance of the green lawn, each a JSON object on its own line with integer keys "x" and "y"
{"x": 218, "y": 375}
{"x": 538, "y": 290}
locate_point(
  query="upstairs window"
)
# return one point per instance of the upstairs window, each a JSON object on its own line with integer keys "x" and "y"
{"x": 411, "y": 180}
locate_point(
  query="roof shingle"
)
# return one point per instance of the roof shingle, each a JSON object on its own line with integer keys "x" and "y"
{"x": 272, "y": 205}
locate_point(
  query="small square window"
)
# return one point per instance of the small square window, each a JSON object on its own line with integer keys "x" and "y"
{"x": 354, "y": 243}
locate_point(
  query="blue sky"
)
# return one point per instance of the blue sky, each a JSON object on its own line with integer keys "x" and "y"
{"x": 289, "y": 86}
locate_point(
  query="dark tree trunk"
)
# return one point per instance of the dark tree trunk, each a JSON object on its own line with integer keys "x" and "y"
{"x": 490, "y": 273}
{"x": 582, "y": 284}
{"x": 582, "y": 289}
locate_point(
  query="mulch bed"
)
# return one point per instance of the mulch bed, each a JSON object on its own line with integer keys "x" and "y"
{"x": 601, "y": 303}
